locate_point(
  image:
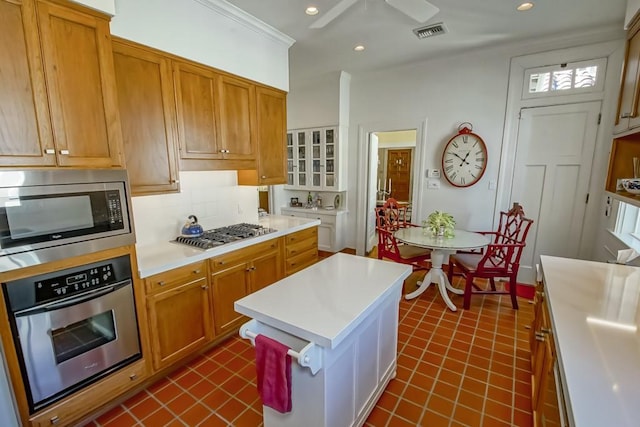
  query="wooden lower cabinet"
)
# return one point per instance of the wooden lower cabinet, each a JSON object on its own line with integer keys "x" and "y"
{"x": 179, "y": 312}
{"x": 545, "y": 401}
{"x": 301, "y": 250}
{"x": 239, "y": 273}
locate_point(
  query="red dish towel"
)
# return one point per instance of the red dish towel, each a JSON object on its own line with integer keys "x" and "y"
{"x": 273, "y": 366}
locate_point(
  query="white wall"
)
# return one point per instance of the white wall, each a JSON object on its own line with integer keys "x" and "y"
{"x": 316, "y": 105}
{"x": 446, "y": 91}
{"x": 211, "y": 32}
{"x": 214, "y": 197}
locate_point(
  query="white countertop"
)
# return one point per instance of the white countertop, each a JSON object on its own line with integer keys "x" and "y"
{"x": 595, "y": 315}
{"x": 159, "y": 257}
{"x": 325, "y": 302}
{"x": 321, "y": 211}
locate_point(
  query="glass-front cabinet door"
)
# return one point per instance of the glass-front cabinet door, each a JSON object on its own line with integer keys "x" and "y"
{"x": 297, "y": 158}
{"x": 312, "y": 159}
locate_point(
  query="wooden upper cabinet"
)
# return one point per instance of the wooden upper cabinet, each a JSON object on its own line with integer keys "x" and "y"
{"x": 76, "y": 47}
{"x": 198, "y": 116}
{"x": 25, "y": 129}
{"x": 148, "y": 117}
{"x": 628, "y": 114}
{"x": 237, "y": 101}
{"x": 272, "y": 134}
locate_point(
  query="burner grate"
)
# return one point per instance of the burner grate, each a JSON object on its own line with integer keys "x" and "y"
{"x": 223, "y": 235}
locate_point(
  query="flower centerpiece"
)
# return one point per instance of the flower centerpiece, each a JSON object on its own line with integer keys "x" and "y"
{"x": 440, "y": 224}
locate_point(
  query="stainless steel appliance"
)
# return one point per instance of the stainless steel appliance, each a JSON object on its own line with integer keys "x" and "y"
{"x": 72, "y": 327}
{"x": 46, "y": 215}
{"x": 219, "y": 236}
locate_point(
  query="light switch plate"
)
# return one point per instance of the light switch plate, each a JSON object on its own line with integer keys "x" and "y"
{"x": 434, "y": 173}
{"x": 433, "y": 184}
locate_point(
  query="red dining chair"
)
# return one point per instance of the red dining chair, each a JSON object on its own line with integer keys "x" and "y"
{"x": 393, "y": 214}
{"x": 388, "y": 248}
{"x": 500, "y": 259}
{"x": 391, "y": 217}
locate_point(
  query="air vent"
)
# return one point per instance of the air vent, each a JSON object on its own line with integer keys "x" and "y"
{"x": 430, "y": 30}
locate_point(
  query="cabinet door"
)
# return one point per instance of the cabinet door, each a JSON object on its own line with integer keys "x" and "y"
{"x": 229, "y": 285}
{"x": 179, "y": 321}
{"x": 147, "y": 108}
{"x": 297, "y": 159}
{"x": 272, "y": 130}
{"x": 237, "y": 118}
{"x": 27, "y": 134}
{"x": 266, "y": 270}
{"x": 628, "y": 113}
{"x": 198, "y": 116}
{"x": 81, "y": 84}
{"x": 330, "y": 159}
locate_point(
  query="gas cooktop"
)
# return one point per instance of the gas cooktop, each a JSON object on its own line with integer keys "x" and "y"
{"x": 220, "y": 236}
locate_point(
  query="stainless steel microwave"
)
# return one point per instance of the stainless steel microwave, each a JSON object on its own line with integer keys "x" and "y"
{"x": 46, "y": 215}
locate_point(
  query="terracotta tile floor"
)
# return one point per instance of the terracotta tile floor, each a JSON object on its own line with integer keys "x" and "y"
{"x": 468, "y": 368}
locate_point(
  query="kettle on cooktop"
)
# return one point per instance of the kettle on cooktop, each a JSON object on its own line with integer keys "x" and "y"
{"x": 191, "y": 228}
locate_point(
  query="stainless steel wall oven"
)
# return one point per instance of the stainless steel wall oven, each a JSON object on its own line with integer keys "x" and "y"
{"x": 72, "y": 327}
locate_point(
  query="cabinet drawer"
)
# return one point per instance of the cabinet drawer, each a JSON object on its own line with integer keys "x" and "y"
{"x": 297, "y": 248}
{"x": 177, "y": 276}
{"x": 242, "y": 255}
{"x": 301, "y": 261}
{"x": 309, "y": 233}
{"x": 70, "y": 410}
{"x": 325, "y": 219}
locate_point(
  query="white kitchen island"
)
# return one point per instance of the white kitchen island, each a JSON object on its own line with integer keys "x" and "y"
{"x": 341, "y": 315}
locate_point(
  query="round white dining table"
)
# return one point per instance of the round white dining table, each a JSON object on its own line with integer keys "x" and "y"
{"x": 441, "y": 248}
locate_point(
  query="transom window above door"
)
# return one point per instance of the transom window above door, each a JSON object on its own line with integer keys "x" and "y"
{"x": 564, "y": 79}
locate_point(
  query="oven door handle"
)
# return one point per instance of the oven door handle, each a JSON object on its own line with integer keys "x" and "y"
{"x": 73, "y": 300}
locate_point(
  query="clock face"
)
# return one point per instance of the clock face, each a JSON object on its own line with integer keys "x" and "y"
{"x": 464, "y": 159}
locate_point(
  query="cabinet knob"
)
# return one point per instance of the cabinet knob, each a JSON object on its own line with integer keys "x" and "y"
{"x": 220, "y": 262}
{"x": 174, "y": 181}
{"x": 204, "y": 287}
{"x": 133, "y": 377}
{"x": 161, "y": 283}
{"x": 247, "y": 269}
{"x": 64, "y": 152}
{"x": 253, "y": 268}
{"x": 54, "y": 419}
{"x": 264, "y": 177}
{"x": 49, "y": 151}
{"x": 196, "y": 271}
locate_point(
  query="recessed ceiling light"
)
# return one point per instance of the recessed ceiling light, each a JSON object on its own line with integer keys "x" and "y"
{"x": 358, "y": 48}
{"x": 311, "y": 10}
{"x": 525, "y": 6}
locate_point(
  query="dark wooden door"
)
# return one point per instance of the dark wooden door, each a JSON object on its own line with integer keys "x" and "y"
{"x": 399, "y": 172}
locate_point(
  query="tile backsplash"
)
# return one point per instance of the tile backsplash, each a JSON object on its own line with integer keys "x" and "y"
{"x": 214, "y": 197}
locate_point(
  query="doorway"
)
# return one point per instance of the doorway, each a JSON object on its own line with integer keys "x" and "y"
{"x": 391, "y": 173}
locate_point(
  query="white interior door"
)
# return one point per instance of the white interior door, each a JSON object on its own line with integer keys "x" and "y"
{"x": 554, "y": 156}
{"x": 371, "y": 192}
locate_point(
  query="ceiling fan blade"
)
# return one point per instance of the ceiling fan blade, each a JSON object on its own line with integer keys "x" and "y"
{"x": 333, "y": 13}
{"x": 420, "y": 10}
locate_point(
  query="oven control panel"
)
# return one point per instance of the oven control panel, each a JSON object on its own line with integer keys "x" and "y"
{"x": 35, "y": 290}
{"x": 74, "y": 283}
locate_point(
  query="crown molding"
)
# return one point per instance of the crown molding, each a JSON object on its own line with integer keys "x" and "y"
{"x": 250, "y": 22}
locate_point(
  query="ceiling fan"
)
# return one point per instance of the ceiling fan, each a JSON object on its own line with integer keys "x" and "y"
{"x": 420, "y": 10}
